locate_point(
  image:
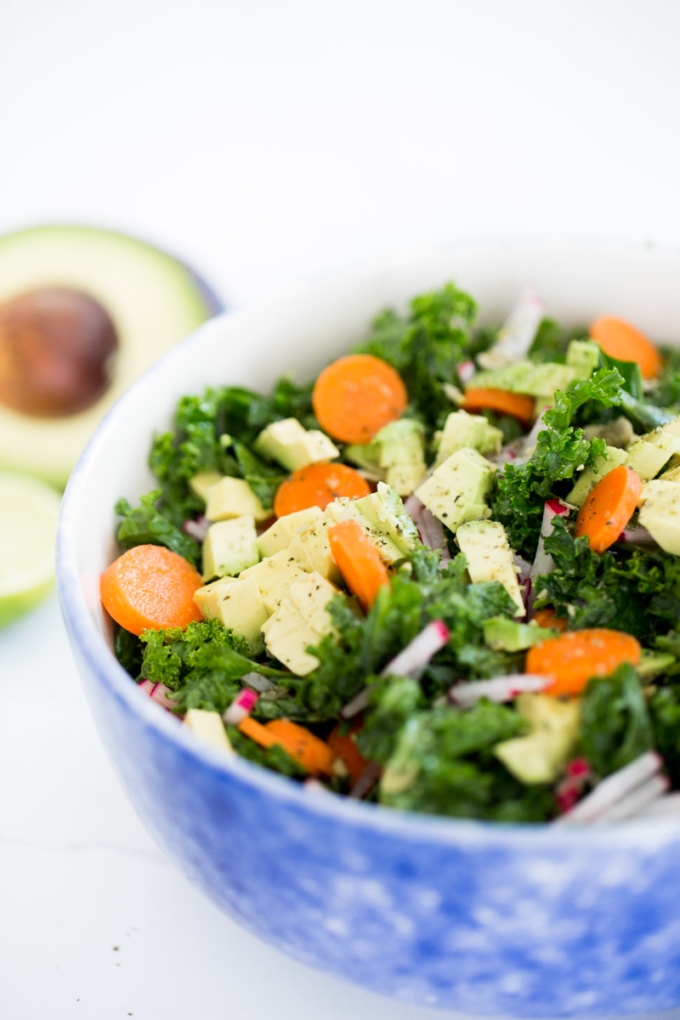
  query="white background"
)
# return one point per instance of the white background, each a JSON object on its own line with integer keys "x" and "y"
{"x": 270, "y": 143}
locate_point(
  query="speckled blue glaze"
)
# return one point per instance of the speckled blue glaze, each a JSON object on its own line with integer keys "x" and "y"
{"x": 519, "y": 921}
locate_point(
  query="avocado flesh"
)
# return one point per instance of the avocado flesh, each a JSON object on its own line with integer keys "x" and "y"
{"x": 153, "y": 301}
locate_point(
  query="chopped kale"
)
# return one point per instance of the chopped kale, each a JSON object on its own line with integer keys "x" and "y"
{"x": 145, "y": 525}
{"x": 631, "y": 589}
{"x": 615, "y": 723}
{"x": 128, "y": 650}
{"x": 664, "y": 708}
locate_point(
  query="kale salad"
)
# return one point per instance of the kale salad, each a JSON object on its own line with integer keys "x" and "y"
{"x": 443, "y": 576}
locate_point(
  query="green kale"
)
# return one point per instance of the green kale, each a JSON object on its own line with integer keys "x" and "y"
{"x": 262, "y": 478}
{"x": 425, "y": 347}
{"x": 201, "y": 665}
{"x": 615, "y": 724}
{"x": 561, "y": 450}
{"x": 393, "y": 700}
{"x": 552, "y": 340}
{"x": 667, "y": 390}
{"x": 145, "y": 525}
{"x": 442, "y": 763}
{"x": 128, "y": 650}
{"x": 630, "y": 589}
{"x": 664, "y": 708}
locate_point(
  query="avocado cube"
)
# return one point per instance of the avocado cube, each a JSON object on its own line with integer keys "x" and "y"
{"x": 660, "y": 513}
{"x": 584, "y": 357}
{"x": 300, "y": 620}
{"x": 233, "y": 497}
{"x": 237, "y": 603}
{"x": 648, "y": 455}
{"x": 472, "y": 431}
{"x": 209, "y": 728}
{"x": 465, "y": 478}
{"x": 505, "y": 635}
{"x": 283, "y": 531}
{"x": 344, "y": 509}
{"x": 293, "y": 446}
{"x": 540, "y": 756}
{"x": 489, "y": 557}
{"x": 589, "y": 478}
{"x": 274, "y": 576}
{"x": 384, "y": 510}
{"x": 203, "y": 481}
{"x": 312, "y": 550}
{"x": 229, "y": 547}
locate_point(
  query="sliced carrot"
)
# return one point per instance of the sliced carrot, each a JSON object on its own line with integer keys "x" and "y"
{"x": 358, "y": 561}
{"x": 344, "y": 747}
{"x": 608, "y": 508}
{"x": 620, "y": 340}
{"x": 257, "y": 732}
{"x": 576, "y": 656}
{"x": 547, "y": 618}
{"x": 318, "y": 485}
{"x": 501, "y": 401}
{"x": 150, "y": 587}
{"x": 356, "y": 396}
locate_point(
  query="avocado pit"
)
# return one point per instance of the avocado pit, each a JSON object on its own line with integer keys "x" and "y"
{"x": 57, "y": 348}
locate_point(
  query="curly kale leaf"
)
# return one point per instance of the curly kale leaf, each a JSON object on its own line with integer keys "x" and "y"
{"x": 441, "y": 762}
{"x": 561, "y": 451}
{"x": 426, "y": 346}
{"x": 664, "y": 708}
{"x": 362, "y": 647}
{"x": 633, "y": 590}
{"x": 615, "y": 723}
{"x": 145, "y": 525}
{"x": 202, "y": 664}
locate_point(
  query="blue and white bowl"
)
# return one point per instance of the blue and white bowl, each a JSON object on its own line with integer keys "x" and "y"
{"x": 525, "y": 921}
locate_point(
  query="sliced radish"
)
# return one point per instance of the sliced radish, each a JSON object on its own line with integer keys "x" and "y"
{"x": 241, "y": 707}
{"x": 543, "y": 562}
{"x": 466, "y": 370}
{"x": 662, "y": 807}
{"x": 500, "y": 688}
{"x": 614, "y": 789}
{"x": 366, "y": 781}
{"x": 638, "y": 535}
{"x": 411, "y": 661}
{"x": 637, "y": 800}
{"x": 430, "y": 529}
{"x": 198, "y": 528}
{"x": 158, "y": 693}
{"x": 517, "y": 334}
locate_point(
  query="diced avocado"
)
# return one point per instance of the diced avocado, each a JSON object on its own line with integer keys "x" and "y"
{"x": 653, "y": 664}
{"x": 505, "y": 635}
{"x": 396, "y": 455}
{"x": 207, "y": 598}
{"x": 293, "y": 446}
{"x": 457, "y": 489}
{"x": 300, "y": 620}
{"x": 283, "y": 531}
{"x": 83, "y": 312}
{"x": 540, "y": 756}
{"x": 535, "y": 379}
{"x": 203, "y": 481}
{"x": 239, "y": 605}
{"x": 467, "y": 431}
{"x": 229, "y": 547}
{"x": 672, "y": 475}
{"x": 233, "y": 497}
{"x": 209, "y": 728}
{"x": 584, "y": 357}
{"x": 618, "y": 433}
{"x": 312, "y": 550}
{"x": 343, "y": 509}
{"x": 274, "y": 576}
{"x": 660, "y": 513}
{"x": 385, "y": 511}
{"x": 589, "y": 478}
{"x": 648, "y": 454}
{"x": 489, "y": 557}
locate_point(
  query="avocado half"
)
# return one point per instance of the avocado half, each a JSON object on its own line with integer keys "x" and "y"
{"x": 83, "y": 312}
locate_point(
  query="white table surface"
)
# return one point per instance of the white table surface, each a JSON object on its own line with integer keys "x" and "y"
{"x": 271, "y": 142}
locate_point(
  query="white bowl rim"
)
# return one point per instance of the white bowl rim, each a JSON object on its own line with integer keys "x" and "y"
{"x": 412, "y": 826}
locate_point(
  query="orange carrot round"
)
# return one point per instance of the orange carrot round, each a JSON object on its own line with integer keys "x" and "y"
{"x": 312, "y": 753}
{"x": 318, "y": 485}
{"x": 356, "y": 396}
{"x": 577, "y": 655}
{"x": 547, "y": 618}
{"x": 501, "y": 401}
{"x": 343, "y": 747}
{"x": 620, "y": 340}
{"x": 358, "y": 561}
{"x": 608, "y": 508}
{"x": 150, "y": 587}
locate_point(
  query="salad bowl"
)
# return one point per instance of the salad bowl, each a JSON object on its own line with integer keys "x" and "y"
{"x": 525, "y": 921}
